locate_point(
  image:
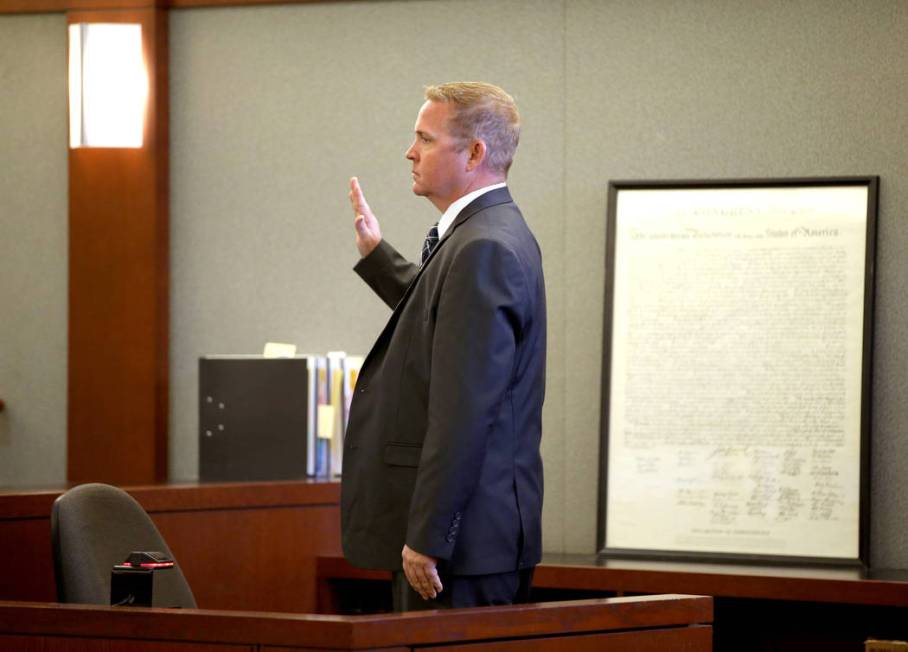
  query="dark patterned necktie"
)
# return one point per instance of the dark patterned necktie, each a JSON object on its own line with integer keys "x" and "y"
{"x": 429, "y": 244}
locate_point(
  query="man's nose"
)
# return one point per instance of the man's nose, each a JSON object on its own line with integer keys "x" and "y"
{"x": 410, "y": 153}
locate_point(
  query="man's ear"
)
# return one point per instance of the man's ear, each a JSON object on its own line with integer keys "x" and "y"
{"x": 477, "y": 155}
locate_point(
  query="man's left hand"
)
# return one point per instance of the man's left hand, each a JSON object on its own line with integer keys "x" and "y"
{"x": 422, "y": 573}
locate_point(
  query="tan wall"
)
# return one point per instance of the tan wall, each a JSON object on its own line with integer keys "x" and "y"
{"x": 33, "y": 249}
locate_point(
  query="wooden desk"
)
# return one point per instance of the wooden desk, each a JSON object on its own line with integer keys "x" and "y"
{"x": 756, "y": 607}
{"x": 248, "y": 546}
{"x": 798, "y": 583}
{"x": 645, "y": 624}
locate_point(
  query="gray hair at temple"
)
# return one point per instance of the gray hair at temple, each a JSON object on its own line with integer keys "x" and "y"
{"x": 485, "y": 112}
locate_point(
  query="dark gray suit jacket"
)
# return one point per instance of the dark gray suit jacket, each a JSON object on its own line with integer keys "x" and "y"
{"x": 442, "y": 446}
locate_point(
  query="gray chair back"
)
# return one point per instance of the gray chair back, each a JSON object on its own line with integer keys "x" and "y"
{"x": 93, "y": 527}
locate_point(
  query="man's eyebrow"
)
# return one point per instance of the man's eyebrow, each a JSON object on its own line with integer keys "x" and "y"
{"x": 422, "y": 134}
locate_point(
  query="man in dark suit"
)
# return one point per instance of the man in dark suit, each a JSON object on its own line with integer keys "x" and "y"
{"x": 442, "y": 477}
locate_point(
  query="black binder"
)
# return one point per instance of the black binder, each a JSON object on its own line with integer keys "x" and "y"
{"x": 253, "y": 415}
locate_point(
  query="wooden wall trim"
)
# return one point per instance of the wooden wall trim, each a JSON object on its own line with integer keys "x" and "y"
{"x": 46, "y": 6}
{"x": 118, "y": 288}
{"x": 188, "y": 497}
{"x": 30, "y": 7}
{"x": 178, "y": 4}
{"x": 50, "y": 6}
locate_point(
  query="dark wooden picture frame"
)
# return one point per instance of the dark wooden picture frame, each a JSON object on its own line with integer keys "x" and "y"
{"x": 651, "y": 543}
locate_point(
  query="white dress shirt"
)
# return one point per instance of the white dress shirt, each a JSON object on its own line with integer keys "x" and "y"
{"x": 458, "y": 205}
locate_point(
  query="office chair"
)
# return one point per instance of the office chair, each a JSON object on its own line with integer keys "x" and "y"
{"x": 93, "y": 527}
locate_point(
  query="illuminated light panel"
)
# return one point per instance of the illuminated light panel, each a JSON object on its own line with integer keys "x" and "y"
{"x": 108, "y": 85}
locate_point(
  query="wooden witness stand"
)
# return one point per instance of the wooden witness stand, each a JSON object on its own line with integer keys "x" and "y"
{"x": 618, "y": 624}
{"x": 250, "y": 554}
{"x": 252, "y": 549}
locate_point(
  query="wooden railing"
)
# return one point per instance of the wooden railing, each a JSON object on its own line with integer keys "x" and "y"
{"x": 670, "y": 622}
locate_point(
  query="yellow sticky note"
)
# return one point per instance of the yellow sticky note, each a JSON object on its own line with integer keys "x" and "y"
{"x": 326, "y": 421}
{"x": 279, "y": 350}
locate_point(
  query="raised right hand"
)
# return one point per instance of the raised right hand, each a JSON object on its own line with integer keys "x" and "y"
{"x": 368, "y": 233}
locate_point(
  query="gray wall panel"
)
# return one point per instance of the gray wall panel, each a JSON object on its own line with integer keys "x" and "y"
{"x": 698, "y": 89}
{"x": 273, "y": 109}
{"x": 33, "y": 249}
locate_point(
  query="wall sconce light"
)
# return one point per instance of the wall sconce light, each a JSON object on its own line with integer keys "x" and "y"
{"x": 108, "y": 85}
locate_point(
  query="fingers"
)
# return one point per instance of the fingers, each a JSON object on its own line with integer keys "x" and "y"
{"x": 432, "y": 581}
{"x": 422, "y": 574}
{"x": 429, "y": 582}
{"x": 436, "y": 581}
{"x": 412, "y": 579}
{"x": 427, "y": 585}
{"x": 357, "y": 199}
{"x": 368, "y": 233}
{"x": 419, "y": 579}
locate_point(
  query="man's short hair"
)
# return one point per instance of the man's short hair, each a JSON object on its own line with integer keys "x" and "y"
{"x": 482, "y": 111}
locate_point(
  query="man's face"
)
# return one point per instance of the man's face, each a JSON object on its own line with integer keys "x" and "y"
{"x": 439, "y": 162}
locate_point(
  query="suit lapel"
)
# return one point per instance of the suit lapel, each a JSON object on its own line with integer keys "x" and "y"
{"x": 492, "y": 198}
{"x": 489, "y": 199}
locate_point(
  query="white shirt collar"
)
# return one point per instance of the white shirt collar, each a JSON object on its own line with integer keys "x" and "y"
{"x": 448, "y": 217}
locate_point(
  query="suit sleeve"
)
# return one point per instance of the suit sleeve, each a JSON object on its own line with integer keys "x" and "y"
{"x": 386, "y": 272}
{"x": 478, "y": 324}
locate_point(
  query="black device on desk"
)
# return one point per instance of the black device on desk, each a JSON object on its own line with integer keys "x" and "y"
{"x": 132, "y": 582}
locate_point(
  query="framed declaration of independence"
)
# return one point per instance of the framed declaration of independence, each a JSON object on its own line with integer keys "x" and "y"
{"x": 737, "y": 369}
